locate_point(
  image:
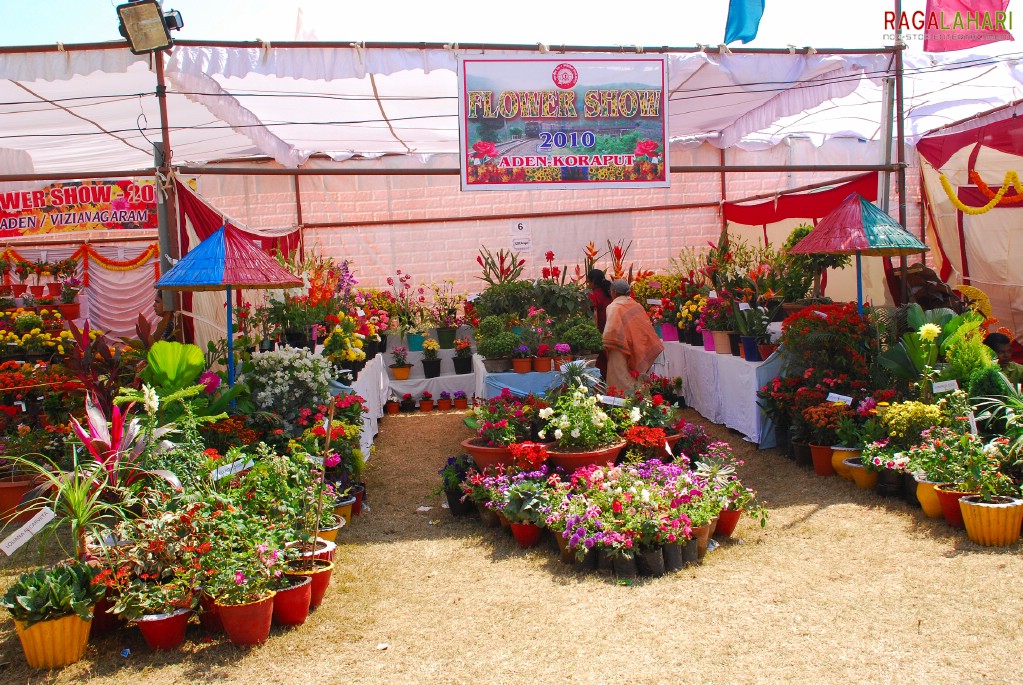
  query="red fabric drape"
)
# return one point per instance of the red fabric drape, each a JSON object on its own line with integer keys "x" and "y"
{"x": 808, "y": 205}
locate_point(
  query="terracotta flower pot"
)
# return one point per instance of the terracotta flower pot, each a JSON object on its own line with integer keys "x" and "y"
{"x": 164, "y": 632}
{"x": 522, "y": 364}
{"x": 570, "y": 461}
{"x": 392, "y": 407}
{"x": 486, "y": 456}
{"x": 425, "y": 405}
{"x": 728, "y": 519}
{"x": 247, "y": 624}
{"x": 701, "y": 534}
{"x": 461, "y": 402}
{"x": 12, "y": 489}
{"x": 541, "y": 364}
{"x": 821, "y": 455}
{"x": 721, "y": 343}
{"x": 992, "y": 524}
{"x": 443, "y": 405}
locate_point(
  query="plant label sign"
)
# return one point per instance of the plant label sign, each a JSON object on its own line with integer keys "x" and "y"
{"x": 973, "y": 423}
{"x": 19, "y": 537}
{"x": 835, "y": 397}
{"x": 945, "y": 386}
{"x": 653, "y": 300}
{"x": 522, "y": 243}
{"x": 823, "y": 315}
{"x": 743, "y": 306}
{"x": 712, "y": 293}
{"x": 613, "y": 401}
{"x": 232, "y": 468}
{"x": 316, "y": 460}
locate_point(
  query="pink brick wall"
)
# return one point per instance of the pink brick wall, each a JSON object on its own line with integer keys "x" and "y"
{"x": 436, "y": 247}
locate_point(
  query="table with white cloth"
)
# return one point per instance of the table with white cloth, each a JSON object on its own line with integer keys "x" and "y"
{"x": 448, "y": 381}
{"x": 371, "y": 385}
{"x": 723, "y": 388}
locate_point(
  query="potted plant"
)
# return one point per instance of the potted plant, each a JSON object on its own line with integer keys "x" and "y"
{"x": 497, "y": 423}
{"x": 582, "y": 431}
{"x": 495, "y": 344}
{"x": 444, "y": 401}
{"x": 400, "y": 368}
{"x": 460, "y": 400}
{"x": 426, "y": 401}
{"x": 407, "y": 403}
{"x": 526, "y": 505}
{"x": 801, "y": 273}
{"x": 822, "y": 420}
{"x": 542, "y": 360}
{"x": 522, "y": 359}
{"x": 431, "y": 362}
{"x": 994, "y": 514}
{"x": 240, "y": 573}
{"x": 451, "y": 477}
{"x": 463, "y": 356}
{"x": 52, "y": 612}
{"x": 69, "y": 306}
{"x": 718, "y": 318}
{"x": 393, "y": 405}
{"x": 22, "y": 270}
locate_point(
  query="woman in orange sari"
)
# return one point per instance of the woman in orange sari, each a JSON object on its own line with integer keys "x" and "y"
{"x": 629, "y": 339}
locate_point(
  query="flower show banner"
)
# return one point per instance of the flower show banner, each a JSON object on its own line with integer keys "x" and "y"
{"x": 79, "y": 206}
{"x": 563, "y": 120}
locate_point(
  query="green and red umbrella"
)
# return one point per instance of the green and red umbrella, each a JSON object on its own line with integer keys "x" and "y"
{"x": 857, "y": 227}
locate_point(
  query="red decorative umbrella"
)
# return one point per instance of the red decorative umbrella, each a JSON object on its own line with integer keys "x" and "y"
{"x": 857, "y": 227}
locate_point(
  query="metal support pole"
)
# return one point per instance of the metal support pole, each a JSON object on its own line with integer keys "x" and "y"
{"x": 230, "y": 339}
{"x": 900, "y": 150}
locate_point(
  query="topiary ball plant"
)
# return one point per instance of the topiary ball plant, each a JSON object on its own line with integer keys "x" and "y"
{"x": 584, "y": 338}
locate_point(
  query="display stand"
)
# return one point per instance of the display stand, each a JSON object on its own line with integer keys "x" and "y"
{"x": 371, "y": 385}
{"x": 723, "y": 388}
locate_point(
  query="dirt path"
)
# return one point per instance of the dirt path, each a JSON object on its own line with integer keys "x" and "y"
{"x": 842, "y": 587}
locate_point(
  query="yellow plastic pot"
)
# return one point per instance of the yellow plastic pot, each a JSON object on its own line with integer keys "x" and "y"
{"x": 992, "y": 524}
{"x": 330, "y": 534}
{"x": 928, "y": 499}
{"x": 863, "y": 478}
{"x": 55, "y": 643}
{"x": 343, "y": 508}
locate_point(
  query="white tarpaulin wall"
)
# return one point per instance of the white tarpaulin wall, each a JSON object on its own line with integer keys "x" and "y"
{"x": 979, "y": 249}
{"x": 85, "y": 110}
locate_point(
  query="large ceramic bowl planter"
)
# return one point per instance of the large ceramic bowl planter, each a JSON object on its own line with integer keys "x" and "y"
{"x": 54, "y": 643}
{"x": 928, "y": 498}
{"x": 570, "y": 461}
{"x": 864, "y": 479}
{"x": 992, "y": 524}
{"x": 486, "y": 456}
{"x": 247, "y": 624}
{"x": 838, "y": 456}
{"x": 164, "y": 632}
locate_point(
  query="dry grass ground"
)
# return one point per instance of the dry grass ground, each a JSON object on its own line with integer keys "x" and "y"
{"x": 842, "y": 587}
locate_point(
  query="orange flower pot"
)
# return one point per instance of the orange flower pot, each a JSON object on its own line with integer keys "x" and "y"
{"x": 542, "y": 364}
{"x": 400, "y": 373}
{"x": 821, "y": 455}
{"x": 992, "y": 524}
{"x": 425, "y": 405}
{"x": 522, "y": 364}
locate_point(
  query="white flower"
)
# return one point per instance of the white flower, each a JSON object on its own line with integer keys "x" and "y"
{"x": 150, "y": 399}
{"x": 558, "y": 433}
{"x": 574, "y": 433}
{"x": 546, "y": 412}
{"x": 645, "y": 495}
{"x": 634, "y": 415}
{"x": 543, "y": 434}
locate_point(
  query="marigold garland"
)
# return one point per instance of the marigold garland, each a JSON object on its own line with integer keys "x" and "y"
{"x": 989, "y": 194}
{"x": 1011, "y": 179}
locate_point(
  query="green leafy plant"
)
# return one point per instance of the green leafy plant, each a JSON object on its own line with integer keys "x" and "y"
{"x": 172, "y": 365}
{"x": 527, "y": 501}
{"x": 44, "y": 594}
{"x": 804, "y": 270}
{"x": 584, "y": 338}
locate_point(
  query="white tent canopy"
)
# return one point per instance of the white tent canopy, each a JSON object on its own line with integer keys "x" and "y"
{"x": 87, "y": 110}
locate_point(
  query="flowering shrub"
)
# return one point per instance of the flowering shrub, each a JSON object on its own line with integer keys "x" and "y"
{"x": 716, "y": 315}
{"x": 463, "y": 348}
{"x": 345, "y": 342}
{"x": 528, "y": 456}
{"x": 650, "y": 410}
{"x": 285, "y": 380}
{"x": 502, "y": 420}
{"x": 823, "y": 420}
{"x": 903, "y": 422}
{"x": 430, "y": 348}
{"x": 834, "y": 337}
{"x": 882, "y": 454}
{"x": 577, "y": 421}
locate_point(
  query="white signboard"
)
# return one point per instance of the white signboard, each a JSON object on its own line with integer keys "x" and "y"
{"x": 27, "y": 531}
{"x": 232, "y": 468}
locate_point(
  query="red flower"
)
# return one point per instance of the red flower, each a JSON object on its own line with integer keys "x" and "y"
{"x": 549, "y": 256}
{"x": 646, "y": 147}
{"x": 616, "y": 507}
{"x": 484, "y": 148}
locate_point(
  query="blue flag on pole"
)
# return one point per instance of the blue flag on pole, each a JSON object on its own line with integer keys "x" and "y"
{"x": 743, "y": 20}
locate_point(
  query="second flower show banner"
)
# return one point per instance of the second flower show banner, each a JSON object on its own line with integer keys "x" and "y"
{"x": 563, "y": 120}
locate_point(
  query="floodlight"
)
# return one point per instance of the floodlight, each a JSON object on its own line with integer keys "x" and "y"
{"x": 146, "y": 27}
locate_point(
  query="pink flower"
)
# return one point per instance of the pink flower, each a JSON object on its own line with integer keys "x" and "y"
{"x": 333, "y": 460}
{"x": 239, "y": 577}
{"x": 211, "y": 381}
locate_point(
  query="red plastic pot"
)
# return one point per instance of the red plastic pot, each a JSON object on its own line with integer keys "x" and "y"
{"x": 949, "y": 500}
{"x": 526, "y": 534}
{"x": 359, "y": 491}
{"x": 320, "y": 573}
{"x": 821, "y": 456}
{"x": 291, "y": 605}
{"x": 247, "y": 624}
{"x": 209, "y": 619}
{"x": 103, "y": 622}
{"x": 12, "y": 490}
{"x": 164, "y": 632}
{"x": 727, "y": 520}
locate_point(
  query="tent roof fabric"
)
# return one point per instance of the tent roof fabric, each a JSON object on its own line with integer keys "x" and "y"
{"x": 227, "y": 258}
{"x": 79, "y": 111}
{"x": 857, "y": 226}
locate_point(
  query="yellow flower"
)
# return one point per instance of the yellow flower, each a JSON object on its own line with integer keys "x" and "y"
{"x": 929, "y": 332}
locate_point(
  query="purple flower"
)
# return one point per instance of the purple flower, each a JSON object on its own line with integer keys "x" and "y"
{"x": 333, "y": 460}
